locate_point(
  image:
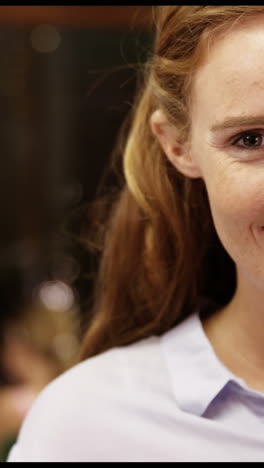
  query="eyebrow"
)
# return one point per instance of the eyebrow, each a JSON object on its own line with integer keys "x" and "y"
{"x": 232, "y": 122}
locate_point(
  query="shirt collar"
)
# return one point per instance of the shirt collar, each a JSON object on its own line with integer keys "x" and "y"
{"x": 197, "y": 374}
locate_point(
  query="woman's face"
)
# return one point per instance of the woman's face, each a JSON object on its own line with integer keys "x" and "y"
{"x": 227, "y": 142}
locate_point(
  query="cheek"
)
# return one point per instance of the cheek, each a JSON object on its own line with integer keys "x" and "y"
{"x": 236, "y": 196}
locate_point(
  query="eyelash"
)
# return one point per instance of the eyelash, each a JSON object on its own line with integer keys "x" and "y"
{"x": 256, "y": 133}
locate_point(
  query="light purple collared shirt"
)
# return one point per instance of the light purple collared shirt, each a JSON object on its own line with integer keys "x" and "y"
{"x": 161, "y": 399}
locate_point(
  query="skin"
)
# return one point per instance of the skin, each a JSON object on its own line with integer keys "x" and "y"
{"x": 229, "y": 85}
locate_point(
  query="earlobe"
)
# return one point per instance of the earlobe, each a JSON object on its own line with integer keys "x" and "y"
{"x": 178, "y": 153}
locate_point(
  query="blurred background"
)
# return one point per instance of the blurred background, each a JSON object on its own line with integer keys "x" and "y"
{"x": 67, "y": 81}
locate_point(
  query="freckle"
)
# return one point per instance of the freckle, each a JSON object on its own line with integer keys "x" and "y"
{"x": 231, "y": 81}
{"x": 258, "y": 84}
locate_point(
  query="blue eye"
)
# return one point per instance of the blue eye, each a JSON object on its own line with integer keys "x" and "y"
{"x": 249, "y": 140}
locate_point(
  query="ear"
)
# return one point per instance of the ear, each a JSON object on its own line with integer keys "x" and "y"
{"x": 178, "y": 153}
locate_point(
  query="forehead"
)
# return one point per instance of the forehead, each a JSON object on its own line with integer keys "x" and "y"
{"x": 231, "y": 75}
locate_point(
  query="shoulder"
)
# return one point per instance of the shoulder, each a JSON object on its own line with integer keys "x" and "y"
{"x": 88, "y": 403}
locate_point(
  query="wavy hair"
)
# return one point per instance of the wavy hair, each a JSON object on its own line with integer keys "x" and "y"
{"x": 159, "y": 253}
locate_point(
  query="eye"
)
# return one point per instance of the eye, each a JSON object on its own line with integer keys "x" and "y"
{"x": 249, "y": 140}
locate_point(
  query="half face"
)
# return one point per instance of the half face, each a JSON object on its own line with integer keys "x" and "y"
{"x": 227, "y": 142}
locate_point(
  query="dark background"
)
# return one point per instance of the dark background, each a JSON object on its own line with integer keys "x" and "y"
{"x": 60, "y": 111}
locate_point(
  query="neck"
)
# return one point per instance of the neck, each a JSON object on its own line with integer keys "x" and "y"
{"x": 236, "y": 333}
